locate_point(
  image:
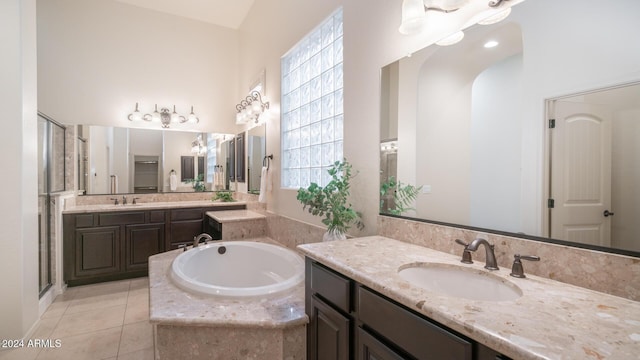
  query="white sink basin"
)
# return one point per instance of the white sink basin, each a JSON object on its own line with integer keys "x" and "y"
{"x": 460, "y": 281}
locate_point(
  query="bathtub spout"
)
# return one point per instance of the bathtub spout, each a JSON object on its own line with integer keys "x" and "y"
{"x": 198, "y": 238}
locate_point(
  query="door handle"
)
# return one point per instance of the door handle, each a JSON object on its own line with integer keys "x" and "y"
{"x": 607, "y": 213}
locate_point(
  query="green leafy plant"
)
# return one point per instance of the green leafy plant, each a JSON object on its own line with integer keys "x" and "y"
{"x": 224, "y": 196}
{"x": 197, "y": 183}
{"x": 331, "y": 201}
{"x": 402, "y": 196}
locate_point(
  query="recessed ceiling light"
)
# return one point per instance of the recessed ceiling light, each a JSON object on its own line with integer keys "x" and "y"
{"x": 491, "y": 44}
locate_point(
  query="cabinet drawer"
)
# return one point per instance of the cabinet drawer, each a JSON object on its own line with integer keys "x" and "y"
{"x": 417, "y": 336}
{"x": 121, "y": 218}
{"x": 186, "y": 214}
{"x": 85, "y": 220}
{"x": 156, "y": 216}
{"x": 184, "y": 231}
{"x": 333, "y": 287}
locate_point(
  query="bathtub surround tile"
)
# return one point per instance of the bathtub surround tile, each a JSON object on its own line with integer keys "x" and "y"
{"x": 240, "y": 224}
{"x": 291, "y": 233}
{"x": 608, "y": 273}
{"x": 226, "y": 343}
{"x": 192, "y": 326}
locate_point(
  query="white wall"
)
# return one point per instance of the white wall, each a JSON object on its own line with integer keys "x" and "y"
{"x": 495, "y": 132}
{"x": 19, "y": 217}
{"x": 97, "y": 58}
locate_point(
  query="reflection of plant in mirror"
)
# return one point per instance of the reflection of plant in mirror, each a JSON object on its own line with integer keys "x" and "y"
{"x": 224, "y": 196}
{"x": 402, "y": 196}
{"x": 331, "y": 201}
{"x": 254, "y": 192}
{"x": 197, "y": 183}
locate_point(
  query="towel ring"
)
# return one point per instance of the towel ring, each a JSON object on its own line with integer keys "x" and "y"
{"x": 266, "y": 161}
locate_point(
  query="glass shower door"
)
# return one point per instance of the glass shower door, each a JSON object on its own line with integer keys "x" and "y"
{"x": 51, "y": 179}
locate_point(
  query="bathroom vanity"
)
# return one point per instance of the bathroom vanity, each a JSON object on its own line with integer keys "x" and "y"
{"x": 360, "y": 307}
{"x": 111, "y": 242}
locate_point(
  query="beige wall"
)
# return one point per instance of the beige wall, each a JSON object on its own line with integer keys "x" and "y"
{"x": 19, "y": 217}
{"x": 97, "y": 58}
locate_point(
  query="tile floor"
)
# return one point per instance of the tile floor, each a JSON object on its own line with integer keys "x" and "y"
{"x": 107, "y": 321}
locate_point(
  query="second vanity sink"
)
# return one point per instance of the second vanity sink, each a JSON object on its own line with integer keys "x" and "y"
{"x": 460, "y": 282}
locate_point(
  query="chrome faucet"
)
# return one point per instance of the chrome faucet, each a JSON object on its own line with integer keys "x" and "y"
{"x": 490, "y": 256}
{"x": 197, "y": 238}
{"x": 124, "y": 200}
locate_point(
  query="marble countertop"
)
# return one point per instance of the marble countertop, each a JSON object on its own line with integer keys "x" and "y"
{"x": 552, "y": 320}
{"x": 226, "y": 216}
{"x": 170, "y": 305}
{"x": 80, "y": 209}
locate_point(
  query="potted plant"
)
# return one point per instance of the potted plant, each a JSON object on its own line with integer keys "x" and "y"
{"x": 331, "y": 202}
{"x": 197, "y": 183}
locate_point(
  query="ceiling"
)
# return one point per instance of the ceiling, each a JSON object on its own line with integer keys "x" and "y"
{"x": 227, "y": 13}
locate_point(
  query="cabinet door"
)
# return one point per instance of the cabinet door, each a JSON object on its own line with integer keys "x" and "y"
{"x": 97, "y": 251}
{"x": 142, "y": 241}
{"x": 328, "y": 332}
{"x": 369, "y": 348}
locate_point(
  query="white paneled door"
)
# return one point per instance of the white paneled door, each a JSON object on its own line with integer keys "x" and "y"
{"x": 581, "y": 173}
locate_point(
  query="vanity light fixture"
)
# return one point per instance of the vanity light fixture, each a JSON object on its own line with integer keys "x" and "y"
{"x": 414, "y": 12}
{"x": 164, "y": 116}
{"x": 251, "y": 108}
{"x": 198, "y": 147}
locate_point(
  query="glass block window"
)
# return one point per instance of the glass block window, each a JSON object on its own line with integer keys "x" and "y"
{"x": 312, "y": 114}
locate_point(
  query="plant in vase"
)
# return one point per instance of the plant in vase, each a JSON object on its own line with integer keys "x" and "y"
{"x": 331, "y": 202}
{"x": 223, "y": 196}
{"x": 197, "y": 183}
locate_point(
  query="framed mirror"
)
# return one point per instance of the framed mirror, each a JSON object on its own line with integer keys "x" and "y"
{"x": 469, "y": 124}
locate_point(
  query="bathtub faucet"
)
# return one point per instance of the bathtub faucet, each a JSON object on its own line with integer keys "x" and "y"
{"x": 197, "y": 238}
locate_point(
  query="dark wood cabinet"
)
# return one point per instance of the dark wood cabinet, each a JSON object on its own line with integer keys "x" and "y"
{"x": 370, "y": 348}
{"x": 240, "y": 155}
{"x": 187, "y": 168}
{"x": 350, "y": 321}
{"x": 97, "y": 251}
{"x": 110, "y": 245}
{"x": 329, "y": 332}
{"x": 142, "y": 241}
{"x": 106, "y": 246}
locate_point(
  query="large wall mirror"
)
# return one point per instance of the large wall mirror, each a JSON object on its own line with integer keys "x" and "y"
{"x": 470, "y": 124}
{"x": 116, "y": 160}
